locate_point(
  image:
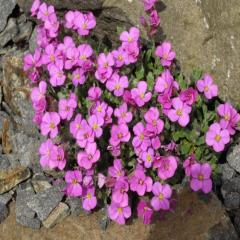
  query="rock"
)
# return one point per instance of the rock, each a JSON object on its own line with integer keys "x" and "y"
{"x": 5, "y": 10}
{"x": 227, "y": 172}
{"x": 1, "y": 97}
{"x": 24, "y": 32}
{"x": 11, "y": 178}
{"x": 34, "y": 223}
{"x": 232, "y": 185}
{"x": 57, "y": 215}
{"x": 75, "y": 205}
{"x": 9, "y": 32}
{"x": 233, "y": 158}
{"x": 4, "y": 162}
{"x": 44, "y": 202}
{"x": 237, "y": 222}
{"x": 33, "y": 41}
{"x": 3, "y": 212}
{"x": 65, "y": 4}
{"x": 41, "y": 185}
{"x": 206, "y": 35}
{"x": 26, "y": 148}
{"x": 5, "y": 198}
{"x": 16, "y": 91}
{"x": 232, "y": 200}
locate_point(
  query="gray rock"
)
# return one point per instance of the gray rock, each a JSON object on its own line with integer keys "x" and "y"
{"x": 24, "y": 32}
{"x": 9, "y": 32}
{"x": 237, "y": 221}
{"x": 4, "y": 162}
{"x": 232, "y": 200}
{"x": 57, "y": 215}
{"x": 5, "y": 10}
{"x": 227, "y": 172}
{"x": 3, "y": 212}
{"x": 33, "y": 223}
{"x": 33, "y": 41}
{"x": 232, "y": 185}
{"x": 1, "y": 95}
{"x": 75, "y": 205}
{"x": 40, "y": 185}
{"x": 233, "y": 158}
{"x": 44, "y": 202}
{"x": 5, "y": 198}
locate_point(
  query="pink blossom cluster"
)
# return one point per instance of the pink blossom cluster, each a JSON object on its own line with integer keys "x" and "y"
{"x": 63, "y": 72}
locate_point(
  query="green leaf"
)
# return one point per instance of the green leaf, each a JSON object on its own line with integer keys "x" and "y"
{"x": 181, "y": 81}
{"x": 150, "y": 81}
{"x": 200, "y": 141}
{"x": 198, "y": 153}
{"x": 178, "y": 135}
{"x": 140, "y": 73}
{"x": 196, "y": 75}
{"x": 185, "y": 147}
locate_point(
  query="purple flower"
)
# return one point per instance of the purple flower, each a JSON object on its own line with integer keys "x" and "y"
{"x": 180, "y": 112}
{"x": 78, "y": 77}
{"x": 162, "y": 194}
{"x": 167, "y": 166}
{"x": 189, "y": 96}
{"x": 49, "y": 124}
{"x": 141, "y": 139}
{"x": 87, "y": 158}
{"x": 35, "y": 7}
{"x": 94, "y": 94}
{"x": 122, "y": 114}
{"x": 131, "y": 36}
{"x": 45, "y": 12}
{"x": 57, "y": 76}
{"x": 117, "y": 84}
{"x": 32, "y": 61}
{"x": 85, "y": 52}
{"x": 96, "y": 122}
{"x": 119, "y": 133}
{"x": 148, "y": 4}
{"x": 116, "y": 170}
{"x": 140, "y": 183}
{"x": 165, "y": 53}
{"x": 119, "y": 57}
{"x": 217, "y": 137}
{"x": 99, "y": 109}
{"x": 200, "y": 177}
{"x": 187, "y": 164}
{"x": 76, "y": 125}
{"x": 45, "y": 152}
{"x": 144, "y": 211}
{"x": 207, "y": 87}
{"x": 57, "y": 158}
{"x": 84, "y": 23}
{"x": 139, "y": 94}
{"x": 118, "y": 213}
{"x": 164, "y": 83}
{"x": 66, "y": 108}
{"x": 119, "y": 195}
{"x": 89, "y": 200}
{"x": 73, "y": 180}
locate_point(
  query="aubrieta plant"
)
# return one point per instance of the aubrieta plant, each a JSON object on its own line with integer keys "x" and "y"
{"x": 123, "y": 124}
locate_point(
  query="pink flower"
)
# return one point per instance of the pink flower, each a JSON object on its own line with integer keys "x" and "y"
{"x": 140, "y": 140}
{"x": 45, "y": 12}
{"x": 85, "y": 135}
{"x": 230, "y": 117}
{"x": 118, "y": 213}
{"x": 148, "y": 4}
{"x": 32, "y": 61}
{"x": 67, "y": 43}
{"x": 52, "y": 26}
{"x": 217, "y": 137}
{"x": 101, "y": 180}
{"x": 154, "y": 21}
{"x": 139, "y": 94}
{"x": 180, "y": 112}
{"x": 119, "y": 57}
{"x": 35, "y": 7}
{"x": 51, "y": 56}
{"x": 122, "y": 114}
{"x": 99, "y": 109}
{"x": 66, "y": 108}
{"x": 119, "y": 194}
{"x": 45, "y": 152}
{"x": 164, "y": 83}
{"x": 94, "y": 94}
{"x": 144, "y": 211}
{"x": 166, "y": 103}
{"x": 96, "y": 122}
{"x": 49, "y": 124}
{"x": 119, "y": 133}
{"x": 108, "y": 116}
{"x": 117, "y": 84}
{"x": 89, "y": 157}
{"x": 116, "y": 170}
{"x": 165, "y": 53}
{"x": 85, "y": 52}
{"x": 200, "y": 177}
{"x": 207, "y": 87}
{"x": 69, "y": 19}
{"x": 57, "y": 158}
{"x": 189, "y": 96}
{"x": 154, "y": 124}
{"x": 84, "y": 23}
{"x": 71, "y": 57}
{"x": 57, "y": 75}
{"x": 131, "y": 52}
{"x": 148, "y": 157}
{"x": 187, "y": 164}
{"x": 162, "y": 194}
{"x": 89, "y": 200}
{"x": 38, "y": 93}
{"x": 76, "y": 125}
{"x": 78, "y": 77}
{"x": 140, "y": 183}
{"x": 73, "y": 180}
{"x": 131, "y": 36}
{"x": 167, "y": 166}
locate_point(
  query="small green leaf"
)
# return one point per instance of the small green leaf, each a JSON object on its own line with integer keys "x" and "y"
{"x": 150, "y": 81}
{"x": 185, "y": 147}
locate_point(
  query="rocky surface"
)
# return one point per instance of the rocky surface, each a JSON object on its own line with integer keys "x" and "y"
{"x": 233, "y": 158}
{"x": 196, "y": 217}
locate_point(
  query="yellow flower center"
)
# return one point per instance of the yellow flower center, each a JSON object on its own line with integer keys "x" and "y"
{"x": 165, "y": 56}
{"x": 142, "y": 95}
{"x": 52, "y": 58}
{"x": 130, "y": 39}
{"x": 83, "y": 57}
{"x": 99, "y": 109}
{"x": 77, "y": 76}
{"x": 227, "y": 117}
{"x": 179, "y": 112}
{"x": 154, "y": 122}
{"x": 89, "y": 196}
{"x": 52, "y": 125}
{"x": 141, "y": 136}
{"x": 200, "y": 177}
{"x": 161, "y": 196}
{"x": 78, "y": 126}
{"x": 206, "y": 89}
{"x": 119, "y": 210}
{"x": 120, "y": 57}
{"x": 120, "y": 135}
{"x": 74, "y": 181}
{"x": 218, "y": 138}
{"x": 149, "y": 158}
{"x": 95, "y": 126}
{"x": 117, "y": 86}
{"x": 84, "y": 26}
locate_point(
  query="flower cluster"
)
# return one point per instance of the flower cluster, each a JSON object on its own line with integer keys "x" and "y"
{"x": 116, "y": 135}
